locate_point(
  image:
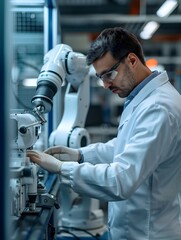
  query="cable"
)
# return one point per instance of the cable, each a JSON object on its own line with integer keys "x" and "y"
{"x": 69, "y": 232}
{"x": 79, "y": 229}
{"x": 92, "y": 235}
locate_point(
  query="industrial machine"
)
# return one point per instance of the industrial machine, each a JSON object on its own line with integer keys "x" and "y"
{"x": 33, "y": 192}
{"x": 23, "y": 182}
{"x": 30, "y": 194}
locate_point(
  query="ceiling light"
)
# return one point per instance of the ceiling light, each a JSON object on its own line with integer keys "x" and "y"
{"x": 167, "y": 8}
{"x": 149, "y": 29}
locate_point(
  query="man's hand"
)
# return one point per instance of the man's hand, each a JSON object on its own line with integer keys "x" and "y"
{"x": 46, "y": 161}
{"x": 64, "y": 153}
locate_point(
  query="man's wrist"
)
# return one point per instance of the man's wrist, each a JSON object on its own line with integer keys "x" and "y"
{"x": 81, "y": 157}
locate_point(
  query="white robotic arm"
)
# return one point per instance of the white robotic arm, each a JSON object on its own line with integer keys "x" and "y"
{"x": 62, "y": 65}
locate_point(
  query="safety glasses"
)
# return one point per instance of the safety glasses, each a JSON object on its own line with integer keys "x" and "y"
{"x": 111, "y": 74}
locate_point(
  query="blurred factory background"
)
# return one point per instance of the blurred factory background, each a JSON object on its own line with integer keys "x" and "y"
{"x": 36, "y": 26}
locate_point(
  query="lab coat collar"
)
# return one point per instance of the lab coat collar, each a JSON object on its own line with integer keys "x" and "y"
{"x": 144, "y": 92}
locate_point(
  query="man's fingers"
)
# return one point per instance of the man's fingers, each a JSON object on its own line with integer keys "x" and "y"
{"x": 34, "y": 156}
{"x": 53, "y": 150}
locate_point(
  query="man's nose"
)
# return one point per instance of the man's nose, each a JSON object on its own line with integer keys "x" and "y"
{"x": 106, "y": 84}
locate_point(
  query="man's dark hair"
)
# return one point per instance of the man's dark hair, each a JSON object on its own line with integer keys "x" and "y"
{"x": 118, "y": 42}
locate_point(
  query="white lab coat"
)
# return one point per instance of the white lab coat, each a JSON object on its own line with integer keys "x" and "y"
{"x": 139, "y": 172}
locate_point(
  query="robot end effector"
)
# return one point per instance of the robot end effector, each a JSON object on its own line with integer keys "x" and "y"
{"x": 60, "y": 63}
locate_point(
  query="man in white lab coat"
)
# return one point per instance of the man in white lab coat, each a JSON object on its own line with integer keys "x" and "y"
{"x": 139, "y": 172}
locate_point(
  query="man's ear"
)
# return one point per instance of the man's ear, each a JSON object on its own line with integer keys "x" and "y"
{"x": 132, "y": 59}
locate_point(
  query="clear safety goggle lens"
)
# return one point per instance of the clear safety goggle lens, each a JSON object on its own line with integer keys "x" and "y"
{"x": 109, "y": 76}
